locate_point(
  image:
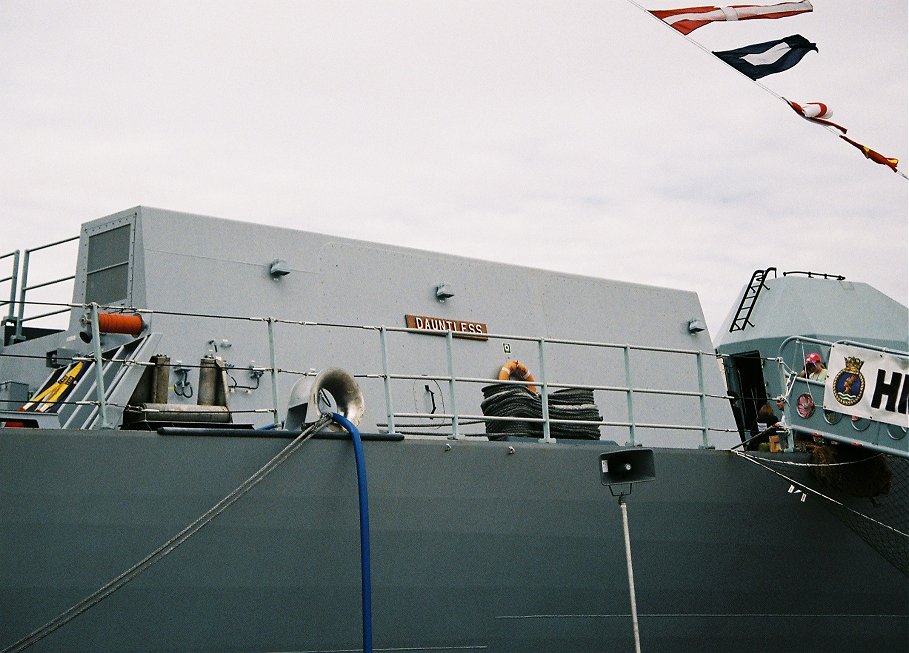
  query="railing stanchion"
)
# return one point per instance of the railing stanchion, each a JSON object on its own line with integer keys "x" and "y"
{"x": 389, "y": 410}
{"x": 99, "y": 371}
{"x": 14, "y": 284}
{"x": 22, "y": 288}
{"x": 274, "y": 366}
{"x": 544, "y": 389}
{"x": 703, "y": 401}
{"x": 629, "y": 393}
{"x": 451, "y": 387}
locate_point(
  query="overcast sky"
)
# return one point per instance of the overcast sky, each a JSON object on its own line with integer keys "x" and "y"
{"x": 586, "y": 137}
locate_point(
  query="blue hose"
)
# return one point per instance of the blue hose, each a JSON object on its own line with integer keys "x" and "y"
{"x": 365, "y": 574}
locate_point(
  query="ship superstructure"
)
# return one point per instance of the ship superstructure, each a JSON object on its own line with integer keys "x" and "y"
{"x": 491, "y": 391}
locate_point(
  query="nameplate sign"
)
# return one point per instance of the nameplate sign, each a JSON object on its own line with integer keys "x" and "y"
{"x": 458, "y": 328}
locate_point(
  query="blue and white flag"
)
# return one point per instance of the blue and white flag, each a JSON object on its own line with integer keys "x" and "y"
{"x": 764, "y": 59}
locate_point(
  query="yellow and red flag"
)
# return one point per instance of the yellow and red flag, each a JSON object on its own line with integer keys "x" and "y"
{"x": 877, "y": 157}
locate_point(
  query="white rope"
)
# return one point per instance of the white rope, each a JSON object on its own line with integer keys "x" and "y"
{"x": 794, "y": 464}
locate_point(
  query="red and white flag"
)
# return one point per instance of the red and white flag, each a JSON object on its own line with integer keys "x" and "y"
{"x": 815, "y": 112}
{"x": 690, "y": 18}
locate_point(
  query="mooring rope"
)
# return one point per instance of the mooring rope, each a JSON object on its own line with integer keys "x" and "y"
{"x": 795, "y": 464}
{"x": 117, "y": 583}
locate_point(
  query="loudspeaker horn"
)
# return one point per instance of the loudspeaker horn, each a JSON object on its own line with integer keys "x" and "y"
{"x": 627, "y": 466}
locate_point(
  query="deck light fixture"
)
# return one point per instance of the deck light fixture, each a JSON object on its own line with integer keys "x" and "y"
{"x": 278, "y": 268}
{"x": 443, "y": 292}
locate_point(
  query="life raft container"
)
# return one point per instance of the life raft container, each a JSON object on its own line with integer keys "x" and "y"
{"x": 519, "y": 370}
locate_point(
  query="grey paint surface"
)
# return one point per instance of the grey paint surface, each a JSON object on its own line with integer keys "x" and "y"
{"x": 209, "y": 267}
{"x": 471, "y": 547}
{"x": 826, "y": 309}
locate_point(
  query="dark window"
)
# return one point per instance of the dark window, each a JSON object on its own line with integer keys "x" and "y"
{"x": 108, "y": 266}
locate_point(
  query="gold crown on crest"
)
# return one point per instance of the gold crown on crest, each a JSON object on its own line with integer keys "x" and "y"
{"x": 854, "y": 364}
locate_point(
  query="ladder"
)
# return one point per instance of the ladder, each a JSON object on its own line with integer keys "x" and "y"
{"x": 749, "y": 299}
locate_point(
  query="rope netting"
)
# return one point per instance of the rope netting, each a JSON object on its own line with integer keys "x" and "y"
{"x": 874, "y": 496}
{"x": 867, "y": 491}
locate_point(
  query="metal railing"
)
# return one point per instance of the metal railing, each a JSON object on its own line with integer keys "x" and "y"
{"x": 810, "y": 418}
{"x": 815, "y": 275}
{"x": 545, "y": 385}
{"x": 18, "y": 317}
{"x": 451, "y": 377}
{"x": 13, "y": 278}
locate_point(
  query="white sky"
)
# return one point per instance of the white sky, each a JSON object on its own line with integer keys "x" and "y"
{"x": 586, "y": 136}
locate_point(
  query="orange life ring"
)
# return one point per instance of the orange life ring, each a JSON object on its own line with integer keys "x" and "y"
{"x": 518, "y": 369}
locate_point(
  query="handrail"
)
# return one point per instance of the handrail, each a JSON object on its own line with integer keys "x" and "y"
{"x": 20, "y": 319}
{"x": 457, "y": 417}
{"x": 795, "y": 341}
{"x": 812, "y": 275}
{"x": 807, "y": 424}
{"x": 827, "y": 344}
{"x": 14, "y": 279}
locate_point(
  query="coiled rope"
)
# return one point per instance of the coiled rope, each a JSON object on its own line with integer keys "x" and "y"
{"x": 117, "y": 583}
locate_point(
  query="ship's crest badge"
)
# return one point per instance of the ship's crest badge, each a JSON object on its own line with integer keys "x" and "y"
{"x": 849, "y": 383}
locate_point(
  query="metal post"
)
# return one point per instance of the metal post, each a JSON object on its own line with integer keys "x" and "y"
{"x": 547, "y": 431}
{"x": 634, "y": 603}
{"x": 274, "y": 366}
{"x": 389, "y": 411}
{"x": 449, "y": 340}
{"x": 14, "y": 280}
{"x": 629, "y": 394}
{"x": 99, "y": 372}
{"x": 22, "y": 287}
{"x": 703, "y": 401}
{"x": 784, "y": 384}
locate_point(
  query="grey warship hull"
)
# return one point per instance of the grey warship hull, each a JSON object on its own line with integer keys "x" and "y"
{"x": 192, "y": 357}
{"x": 479, "y": 549}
